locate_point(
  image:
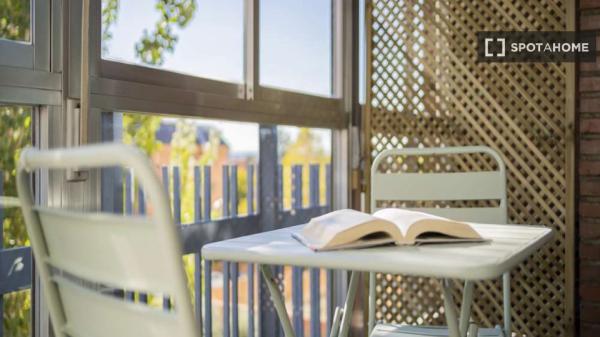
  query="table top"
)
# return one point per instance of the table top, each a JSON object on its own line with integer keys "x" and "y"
{"x": 508, "y": 246}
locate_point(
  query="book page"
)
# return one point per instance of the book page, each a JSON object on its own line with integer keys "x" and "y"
{"x": 330, "y": 224}
{"x": 347, "y": 227}
{"x": 402, "y": 218}
{"x": 424, "y": 227}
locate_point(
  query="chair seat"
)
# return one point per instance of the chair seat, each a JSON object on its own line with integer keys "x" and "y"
{"x": 396, "y": 330}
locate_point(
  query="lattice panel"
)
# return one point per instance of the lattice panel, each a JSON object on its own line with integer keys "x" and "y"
{"x": 426, "y": 89}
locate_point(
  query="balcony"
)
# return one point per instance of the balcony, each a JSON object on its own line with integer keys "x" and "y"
{"x": 262, "y": 114}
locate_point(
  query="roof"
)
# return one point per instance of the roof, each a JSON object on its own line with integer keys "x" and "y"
{"x": 167, "y": 129}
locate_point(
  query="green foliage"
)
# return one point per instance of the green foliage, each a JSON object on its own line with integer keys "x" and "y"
{"x": 140, "y": 130}
{"x": 15, "y": 18}
{"x": 305, "y": 150}
{"x": 15, "y": 128}
{"x": 110, "y": 11}
{"x": 183, "y": 146}
{"x": 174, "y": 13}
{"x": 152, "y": 46}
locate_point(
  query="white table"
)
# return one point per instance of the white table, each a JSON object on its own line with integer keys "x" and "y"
{"x": 509, "y": 245}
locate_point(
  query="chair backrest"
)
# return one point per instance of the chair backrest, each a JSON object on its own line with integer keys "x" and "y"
{"x": 443, "y": 186}
{"x": 82, "y": 257}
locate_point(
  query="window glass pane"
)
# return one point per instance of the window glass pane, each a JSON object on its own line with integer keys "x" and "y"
{"x": 296, "y": 45}
{"x": 15, "y": 20}
{"x": 15, "y": 127}
{"x": 182, "y": 144}
{"x": 186, "y": 143}
{"x": 301, "y": 149}
{"x": 197, "y": 37}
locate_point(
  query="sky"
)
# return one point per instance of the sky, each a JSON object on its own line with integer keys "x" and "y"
{"x": 295, "y": 53}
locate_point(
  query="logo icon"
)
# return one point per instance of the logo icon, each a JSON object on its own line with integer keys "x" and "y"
{"x": 499, "y": 40}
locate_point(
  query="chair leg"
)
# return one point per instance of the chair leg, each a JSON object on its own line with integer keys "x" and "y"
{"x": 278, "y": 301}
{"x": 449, "y": 309}
{"x": 335, "y": 324}
{"x": 371, "y": 303}
{"x": 349, "y": 304}
{"x": 465, "y": 308}
{"x": 506, "y": 303}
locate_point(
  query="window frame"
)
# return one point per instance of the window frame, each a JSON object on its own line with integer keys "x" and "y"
{"x": 25, "y": 67}
{"x": 33, "y": 55}
{"x": 30, "y": 74}
{"x": 118, "y": 85}
{"x": 46, "y": 73}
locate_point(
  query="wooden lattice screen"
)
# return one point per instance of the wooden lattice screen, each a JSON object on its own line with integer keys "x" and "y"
{"x": 426, "y": 89}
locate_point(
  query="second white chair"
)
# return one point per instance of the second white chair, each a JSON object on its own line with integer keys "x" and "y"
{"x": 446, "y": 186}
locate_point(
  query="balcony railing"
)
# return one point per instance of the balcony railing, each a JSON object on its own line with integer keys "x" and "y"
{"x": 205, "y": 229}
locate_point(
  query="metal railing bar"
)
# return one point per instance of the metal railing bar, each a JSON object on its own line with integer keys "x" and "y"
{"x": 233, "y": 188}
{"x": 207, "y": 193}
{"x": 176, "y": 195}
{"x": 329, "y": 307}
{"x": 197, "y": 256}
{"x": 250, "y": 188}
{"x": 314, "y": 185}
{"x": 225, "y": 206}
{"x": 226, "y": 301}
{"x": 250, "y": 277}
{"x": 315, "y": 302}
{"x": 194, "y": 236}
{"x": 297, "y": 272}
{"x": 328, "y": 196}
{"x": 279, "y": 186}
{"x": 207, "y": 298}
{"x": 234, "y": 299}
{"x": 141, "y": 202}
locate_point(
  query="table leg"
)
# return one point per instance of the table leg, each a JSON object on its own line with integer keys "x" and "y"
{"x": 278, "y": 301}
{"x": 465, "y": 308}
{"x": 372, "y": 295}
{"x": 457, "y": 327}
{"x": 449, "y": 309}
{"x": 349, "y": 304}
{"x": 335, "y": 323}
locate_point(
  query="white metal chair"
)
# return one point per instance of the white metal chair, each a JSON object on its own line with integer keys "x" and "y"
{"x": 485, "y": 185}
{"x": 81, "y": 254}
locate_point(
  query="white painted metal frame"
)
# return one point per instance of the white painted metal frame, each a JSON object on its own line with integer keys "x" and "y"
{"x": 342, "y": 316}
{"x": 488, "y": 185}
{"x": 51, "y": 232}
{"x": 509, "y": 245}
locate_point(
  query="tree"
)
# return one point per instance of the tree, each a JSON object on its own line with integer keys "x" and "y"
{"x": 140, "y": 129}
{"x": 305, "y": 150}
{"x": 15, "y": 128}
{"x": 15, "y": 19}
{"x": 152, "y": 46}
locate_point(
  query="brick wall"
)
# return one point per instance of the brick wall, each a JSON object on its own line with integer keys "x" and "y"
{"x": 589, "y": 181}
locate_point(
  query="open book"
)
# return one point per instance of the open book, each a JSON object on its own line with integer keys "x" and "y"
{"x": 348, "y": 228}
